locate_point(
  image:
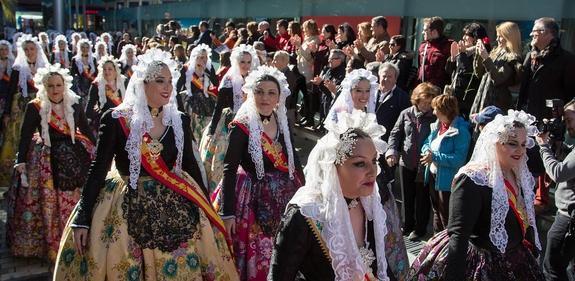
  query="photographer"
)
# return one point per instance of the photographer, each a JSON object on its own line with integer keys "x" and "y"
{"x": 560, "y": 249}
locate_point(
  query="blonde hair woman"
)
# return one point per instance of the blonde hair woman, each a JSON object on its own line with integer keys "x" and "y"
{"x": 503, "y": 69}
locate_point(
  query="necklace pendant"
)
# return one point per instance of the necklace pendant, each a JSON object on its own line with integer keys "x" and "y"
{"x": 155, "y": 112}
{"x": 155, "y": 147}
{"x": 266, "y": 121}
{"x": 367, "y": 256}
{"x": 353, "y": 204}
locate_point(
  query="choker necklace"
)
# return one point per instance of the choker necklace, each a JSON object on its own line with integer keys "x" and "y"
{"x": 31, "y": 63}
{"x": 155, "y": 111}
{"x": 53, "y": 102}
{"x": 352, "y": 203}
{"x": 266, "y": 119}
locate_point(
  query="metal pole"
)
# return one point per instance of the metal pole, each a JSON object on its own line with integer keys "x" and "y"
{"x": 85, "y": 16}
{"x": 77, "y": 12}
{"x": 139, "y": 18}
{"x": 59, "y": 15}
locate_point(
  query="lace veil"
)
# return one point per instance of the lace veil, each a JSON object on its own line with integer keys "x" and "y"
{"x": 484, "y": 169}
{"x": 344, "y": 102}
{"x": 134, "y": 108}
{"x": 192, "y": 68}
{"x": 78, "y": 56}
{"x": 120, "y": 79}
{"x": 248, "y": 114}
{"x": 233, "y": 78}
{"x": 321, "y": 199}
{"x": 70, "y": 98}
{"x": 21, "y": 61}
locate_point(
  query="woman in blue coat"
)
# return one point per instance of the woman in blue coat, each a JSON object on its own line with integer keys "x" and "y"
{"x": 443, "y": 153}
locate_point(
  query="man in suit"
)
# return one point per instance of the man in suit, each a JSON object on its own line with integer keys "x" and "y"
{"x": 391, "y": 100}
{"x": 205, "y": 34}
{"x": 547, "y": 71}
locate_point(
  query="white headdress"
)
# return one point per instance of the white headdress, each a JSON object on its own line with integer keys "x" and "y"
{"x": 10, "y": 56}
{"x": 110, "y": 41}
{"x": 484, "y": 169}
{"x": 21, "y": 61}
{"x": 233, "y": 77}
{"x": 124, "y": 56}
{"x": 70, "y": 98}
{"x": 120, "y": 79}
{"x": 134, "y": 108}
{"x": 78, "y": 56}
{"x": 249, "y": 115}
{"x": 192, "y": 68}
{"x": 321, "y": 199}
{"x": 57, "y": 50}
{"x": 96, "y": 46}
{"x": 344, "y": 101}
{"x": 74, "y": 42}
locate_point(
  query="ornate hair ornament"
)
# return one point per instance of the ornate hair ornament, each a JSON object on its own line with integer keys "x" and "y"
{"x": 150, "y": 65}
{"x": 505, "y": 130}
{"x": 128, "y": 47}
{"x": 255, "y": 77}
{"x": 238, "y": 51}
{"x": 43, "y": 74}
{"x": 345, "y": 146}
{"x": 60, "y": 38}
{"x": 27, "y": 38}
{"x": 83, "y": 42}
{"x": 344, "y": 138}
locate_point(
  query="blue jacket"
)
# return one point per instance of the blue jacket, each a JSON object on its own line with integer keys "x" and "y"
{"x": 451, "y": 154}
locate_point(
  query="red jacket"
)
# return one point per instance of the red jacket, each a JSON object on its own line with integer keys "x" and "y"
{"x": 432, "y": 66}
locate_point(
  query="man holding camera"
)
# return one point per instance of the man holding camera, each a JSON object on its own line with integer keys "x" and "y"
{"x": 560, "y": 248}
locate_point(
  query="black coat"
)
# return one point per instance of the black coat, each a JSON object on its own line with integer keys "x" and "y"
{"x": 554, "y": 79}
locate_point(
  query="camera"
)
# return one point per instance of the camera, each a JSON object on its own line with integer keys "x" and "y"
{"x": 554, "y": 124}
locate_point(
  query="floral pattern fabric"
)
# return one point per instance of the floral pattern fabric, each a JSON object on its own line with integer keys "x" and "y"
{"x": 213, "y": 149}
{"x": 395, "y": 251}
{"x": 38, "y": 213}
{"x": 485, "y": 265}
{"x": 114, "y": 254}
{"x": 259, "y": 208}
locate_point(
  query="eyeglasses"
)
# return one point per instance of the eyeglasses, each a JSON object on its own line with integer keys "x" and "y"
{"x": 392, "y": 44}
{"x": 333, "y": 58}
{"x": 538, "y": 31}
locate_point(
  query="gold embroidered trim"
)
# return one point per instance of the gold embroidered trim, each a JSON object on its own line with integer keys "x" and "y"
{"x": 318, "y": 237}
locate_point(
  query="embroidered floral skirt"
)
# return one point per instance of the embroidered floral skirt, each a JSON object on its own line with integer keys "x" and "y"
{"x": 151, "y": 233}
{"x": 11, "y": 138}
{"x": 199, "y": 125}
{"x": 213, "y": 149}
{"x": 395, "y": 251}
{"x": 259, "y": 208}
{"x": 517, "y": 264}
{"x": 38, "y": 213}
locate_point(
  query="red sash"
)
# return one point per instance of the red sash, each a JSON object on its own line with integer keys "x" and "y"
{"x": 31, "y": 85}
{"x": 519, "y": 212}
{"x": 61, "y": 126}
{"x": 212, "y": 91}
{"x": 88, "y": 75}
{"x": 116, "y": 100}
{"x": 6, "y": 77}
{"x": 273, "y": 153}
{"x": 129, "y": 72}
{"x": 190, "y": 190}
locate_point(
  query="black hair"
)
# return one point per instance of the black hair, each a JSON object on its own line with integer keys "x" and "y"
{"x": 381, "y": 21}
{"x": 348, "y": 30}
{"x": 268, "y": 77}
{"x": 331, "y": 30}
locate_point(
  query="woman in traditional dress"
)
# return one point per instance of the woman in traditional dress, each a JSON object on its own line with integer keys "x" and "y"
{"x": 20, "y": 91}
{"x": 214, "y": 142}
{"x": 107, "y": 38}
{"x": 84, "y": 69}
{"x": 106, "y": 91}
{"x": 261, "y": 172}
{"x": 492, "y": 233}
{"x": 100, "y": 50}
{"x": 150, "y": 218}
{"x": 61, "y": 54}
{"x": 128, "y": 59}
{"x": 54, "y": 155}
{"x": 334, "y": 228}
{"x": 359, "y": 92}
{"x": 6, "y": 62}
{"x": 199, "y": 90}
